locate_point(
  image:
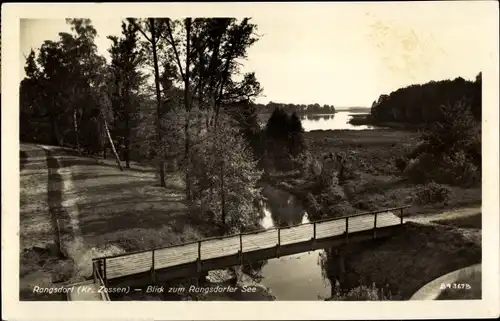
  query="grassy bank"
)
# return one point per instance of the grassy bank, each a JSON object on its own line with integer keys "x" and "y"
{"x": 87, "y": 207}
{"x": 92, "y": 209}
{"x": 416, "y": 255}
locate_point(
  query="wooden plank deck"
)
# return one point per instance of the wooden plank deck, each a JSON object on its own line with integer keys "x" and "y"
{"x": 135, "y": 263}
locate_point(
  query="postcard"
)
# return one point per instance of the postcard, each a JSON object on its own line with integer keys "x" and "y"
{"x": 253, "y": 160}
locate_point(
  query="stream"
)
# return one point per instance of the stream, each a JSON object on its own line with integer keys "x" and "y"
{"x": 293, "y": 277}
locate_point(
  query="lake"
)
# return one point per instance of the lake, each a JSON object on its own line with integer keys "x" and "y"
{"x": 338, "y": 120}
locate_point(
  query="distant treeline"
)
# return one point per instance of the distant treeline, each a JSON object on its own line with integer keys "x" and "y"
{"x": 420, "y": 104}
{"x": 300, "y": 109}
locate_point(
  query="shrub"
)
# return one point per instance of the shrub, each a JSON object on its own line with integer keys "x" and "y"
{"x": 401, "y": 163}
{"x": 313, "y": 204}
{"x": 420, "y": 169}
{"x": 456, "y": 168}
{"x": 459, "y": 169}
{"x": 432, "y": 193}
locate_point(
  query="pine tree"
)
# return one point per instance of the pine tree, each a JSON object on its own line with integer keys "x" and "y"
{"x": 296, "y": 135}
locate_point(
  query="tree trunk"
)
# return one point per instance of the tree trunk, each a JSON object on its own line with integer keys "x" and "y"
{"x": 56, "y": 134}
{"x": 110, "y": 141}
{"x": 187, "y": 145}
{"x": 77, "y": 135}
{"x": 158, "y": 102}
{"x": 126, "y": 153}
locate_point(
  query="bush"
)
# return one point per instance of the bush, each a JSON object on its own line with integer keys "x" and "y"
{"x": 433, "y": 193}
{"x": 309, "y": 166}
{"x": 459, "y": 169}
{"x": 454, "y": 169}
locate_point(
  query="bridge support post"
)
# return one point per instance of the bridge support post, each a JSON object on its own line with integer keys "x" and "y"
{"x": 153, "y": 275}
{"x": 375, "y": 227}
{"x": 401, "y": 215}
{"x": 198, "y": 265}
{"x": 201, "y": 279}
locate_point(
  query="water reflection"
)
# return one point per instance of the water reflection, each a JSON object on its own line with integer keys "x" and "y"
{"x": 339, "y": 120}
{"x": 282, "y": 209}
{"x": 295, "y": 277}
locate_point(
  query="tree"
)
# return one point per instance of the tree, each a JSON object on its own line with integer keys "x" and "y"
{"x": 450, "y": 149}
{"x": 296, "y": 132}
{"x": 152, "y": 29}
{"x": 205, "y": 51}
{"x": 83, "y": 67}
{"x": 104, "y": 108}
{"x": 227, "y": 186}
{"x": 51, "y": 83}
{"x": 126, "y": 59}
{"x": 246, "y": 116}
{"x": 456, "y": 131}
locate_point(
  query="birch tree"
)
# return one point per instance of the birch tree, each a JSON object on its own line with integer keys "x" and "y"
{"x": 151, "y": 29}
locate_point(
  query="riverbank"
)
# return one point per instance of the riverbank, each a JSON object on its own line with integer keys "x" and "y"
{"x": 414, "y": 256}
{"x": 368, "y": 120}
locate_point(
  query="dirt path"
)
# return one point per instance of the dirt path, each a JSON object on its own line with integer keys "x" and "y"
{"x": 449, "y": 214}
{"x": 36, "y": 225}
{"x": 63, "y": 205}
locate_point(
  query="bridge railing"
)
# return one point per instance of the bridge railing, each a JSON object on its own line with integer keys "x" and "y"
{"x": 350, "y": 227}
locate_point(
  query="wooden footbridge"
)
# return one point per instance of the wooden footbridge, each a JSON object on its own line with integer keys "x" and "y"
{"x": 194, "y": 259}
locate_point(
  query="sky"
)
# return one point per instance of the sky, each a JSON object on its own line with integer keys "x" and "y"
{"x": 345, "y": 56}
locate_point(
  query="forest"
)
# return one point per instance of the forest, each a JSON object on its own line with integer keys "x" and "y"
{"x": 300, "y": 109}
{"x": 420, "y": 104}
{"x": 172, "y": 96}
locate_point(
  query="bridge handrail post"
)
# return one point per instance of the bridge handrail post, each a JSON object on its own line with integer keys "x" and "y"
{"x": 95, "y": 271}
{"x": 279, "y": 243}
{"x": 241, "y": 249}
{"x": 375, "y": 226}
{"x": 105, "y": 274}
{"x": 153, "y": 270}
{"x": 347, "y": 228}
{"x": 313, "y": 239}
{"x": 401, "y": 215}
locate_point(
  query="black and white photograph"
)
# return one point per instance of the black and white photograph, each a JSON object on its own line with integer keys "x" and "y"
{"x": 309, "y": 152}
